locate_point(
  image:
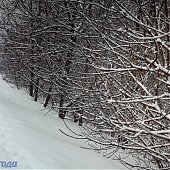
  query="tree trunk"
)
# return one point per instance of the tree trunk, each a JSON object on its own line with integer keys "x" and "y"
{"x": 36, "y": 90}
{"x": 31, "y": 89}
{"x": 48, "y": 97}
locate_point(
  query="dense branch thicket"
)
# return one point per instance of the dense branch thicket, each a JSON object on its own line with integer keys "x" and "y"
{"x": 105, "y": 63}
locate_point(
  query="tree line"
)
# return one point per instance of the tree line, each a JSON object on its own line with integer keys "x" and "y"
{"x": 104, "y": 62}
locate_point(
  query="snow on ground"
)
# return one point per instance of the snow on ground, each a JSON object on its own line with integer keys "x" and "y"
{"x": 34, "y": 140}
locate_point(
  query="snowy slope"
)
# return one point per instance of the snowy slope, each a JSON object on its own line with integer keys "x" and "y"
{"x": 34, "y": 140}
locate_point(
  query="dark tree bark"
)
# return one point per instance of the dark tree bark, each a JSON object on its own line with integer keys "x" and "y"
{"x": 36, "y": 90}
{"x": 48, "y": 97}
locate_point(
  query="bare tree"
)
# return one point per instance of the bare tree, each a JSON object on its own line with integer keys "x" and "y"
{"x": 106, "y": 62}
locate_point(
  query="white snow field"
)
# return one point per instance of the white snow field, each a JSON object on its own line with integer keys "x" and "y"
{"x": 34, "y": 140}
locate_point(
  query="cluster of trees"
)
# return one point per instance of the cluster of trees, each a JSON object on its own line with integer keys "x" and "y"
{"x": 106, "y": 62}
